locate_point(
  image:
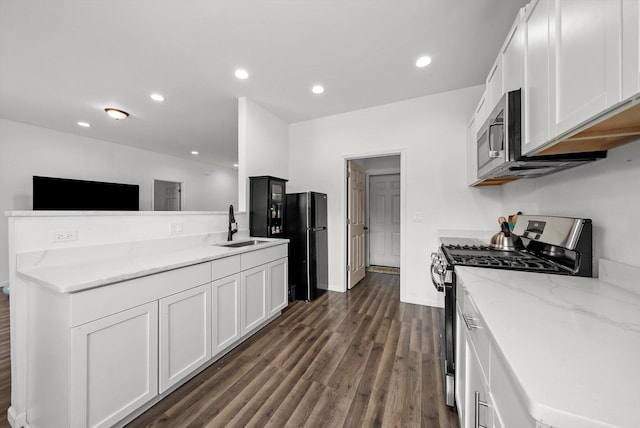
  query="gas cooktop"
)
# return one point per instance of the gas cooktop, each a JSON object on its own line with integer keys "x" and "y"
{"x": 479, "y": 255}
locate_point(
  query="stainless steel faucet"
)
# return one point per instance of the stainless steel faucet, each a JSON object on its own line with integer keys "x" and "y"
{"x": 233, "y": 226}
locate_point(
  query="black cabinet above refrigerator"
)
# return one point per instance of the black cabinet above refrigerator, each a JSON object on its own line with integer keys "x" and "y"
{"x": 266, "y": 206}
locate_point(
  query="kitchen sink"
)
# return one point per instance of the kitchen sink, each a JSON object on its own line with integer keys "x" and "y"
{"x": 241, "y": 243}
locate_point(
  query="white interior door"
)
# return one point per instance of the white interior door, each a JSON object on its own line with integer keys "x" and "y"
{"x": 384, "y": 220}
{"x": 167, "y": 195}
{"x": 357, "y": 215}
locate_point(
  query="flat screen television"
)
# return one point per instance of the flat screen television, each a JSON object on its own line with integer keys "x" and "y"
{"x": 66, "y": 194}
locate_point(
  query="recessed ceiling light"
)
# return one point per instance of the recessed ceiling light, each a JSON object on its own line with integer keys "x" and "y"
{"x": 242, "y": 74}
{"x": 157, "y": 97}
{"x": 116, "y": 114}
{"x": 235, "y": 165}
{"x": 194, "y": 152}
{"x": 317, "y": 89}
{"x": 423, "y": 61}
{"x": 84, "y": 124}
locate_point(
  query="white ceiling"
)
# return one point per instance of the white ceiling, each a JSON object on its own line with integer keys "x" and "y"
{"x": 64, "y": 61}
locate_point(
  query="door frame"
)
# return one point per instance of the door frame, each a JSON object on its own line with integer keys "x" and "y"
{"x": 345, "y": 210}
{"x": 383, "y": 171}
{"x": 182, "y": 191}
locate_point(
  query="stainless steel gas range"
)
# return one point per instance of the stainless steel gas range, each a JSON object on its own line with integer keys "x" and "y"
{"x": 550, "y": 245}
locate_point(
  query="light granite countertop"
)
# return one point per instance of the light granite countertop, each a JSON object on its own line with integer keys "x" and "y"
{"x": 572, "y": 344}
{"x": 91, "y": 271}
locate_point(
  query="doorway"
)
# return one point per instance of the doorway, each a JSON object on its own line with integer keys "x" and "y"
{"x": 384, "y": 222}
{"x": 374, "y": 216}
{"x": 167, "y": 195}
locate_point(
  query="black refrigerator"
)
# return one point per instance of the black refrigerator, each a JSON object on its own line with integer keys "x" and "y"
{"x": 306, "y": 228}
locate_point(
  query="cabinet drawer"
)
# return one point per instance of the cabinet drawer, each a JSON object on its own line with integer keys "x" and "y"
{"x": 260, "y": 257}
{"x": 102, "y": 301}
{"x": 478, "y": 335}
{"x": 225, "y": 267}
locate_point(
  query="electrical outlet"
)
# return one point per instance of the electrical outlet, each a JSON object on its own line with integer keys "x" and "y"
{"x": 64, "y": 235}
{"x": 176, "y": 228}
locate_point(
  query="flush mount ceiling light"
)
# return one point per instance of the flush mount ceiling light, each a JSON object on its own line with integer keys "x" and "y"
{"x": 423, "y": 61}
{"x": 317, "y": 89}
{"x": 235, "y": 165}
{"x": 157, "y": 97}
{"x": 84, "y": 124}
{"x": 194, "y": 152}
{"x": 116, "y": 114}
{"x": 242, "y": 74}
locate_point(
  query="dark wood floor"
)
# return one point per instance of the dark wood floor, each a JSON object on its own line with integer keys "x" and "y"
{"x": 352, "y": 359}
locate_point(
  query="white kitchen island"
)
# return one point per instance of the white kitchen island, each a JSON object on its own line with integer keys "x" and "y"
{"x": 538, "y": 350}
{"x": 104, "y": 327}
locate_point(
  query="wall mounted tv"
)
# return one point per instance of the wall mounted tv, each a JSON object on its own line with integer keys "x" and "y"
{"x": 66, "y": 194}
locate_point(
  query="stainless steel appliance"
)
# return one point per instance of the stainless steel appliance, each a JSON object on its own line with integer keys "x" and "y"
{"x": 500, "y": 150}
{"x": 306, "y": 220}
{"x": 554, "y": 245}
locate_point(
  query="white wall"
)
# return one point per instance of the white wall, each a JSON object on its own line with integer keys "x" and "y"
{"x": 432, "y": 132}
{"x": 263, "y": 145}
{"x": 381, "y": 163}
{"x": 28, "y": 150}
{"x": 607, "y": 191}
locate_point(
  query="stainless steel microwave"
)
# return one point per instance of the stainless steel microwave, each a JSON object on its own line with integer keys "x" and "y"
{"x": 499, "y": 144}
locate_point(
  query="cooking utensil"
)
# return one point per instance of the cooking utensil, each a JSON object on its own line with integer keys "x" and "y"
{"x": 505, "y": 240}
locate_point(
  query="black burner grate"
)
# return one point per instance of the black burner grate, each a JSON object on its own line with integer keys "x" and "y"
{"x": 484, "y": 256}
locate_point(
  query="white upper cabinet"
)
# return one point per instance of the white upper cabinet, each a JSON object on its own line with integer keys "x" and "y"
{"x": 585, "y": 60}
{"x": 512, "y": 54}
{"x": 494, "y": 85}
{"x": 572, "y": 63}
{"x": 482, "y": 111}
{"x": 472, "y": 153}
{"x": 630, "y": 48}
{"x": 536, "y": 27}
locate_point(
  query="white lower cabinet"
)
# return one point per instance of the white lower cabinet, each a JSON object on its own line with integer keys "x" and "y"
{"x": 253, "y": 297}
{"x": 278, "y": 296}
{"x": 97, "y": 356}
{"x": 185, "y": 334}
{"x": 114, "y": 366}
{"x": 479, "y": 409}
{"x": 485, "y": 392}
{"x": 225, "y": 302}
{"x": 460, "y": 373}
{"x": 263, "y": 293}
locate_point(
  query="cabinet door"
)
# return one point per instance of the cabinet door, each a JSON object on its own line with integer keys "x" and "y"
{"x": 460, "y": 375}
{"x": 494, "y": 84}
{"x": 278, "y": 297}
{"x": 185, "y": 334}
{"x": 472, "y": 153}
{"x": 585, "y": 60}
{"x": 630, "y": 48}
{"x": 479, "y": 408}
{"x": 253, "y": 297}
{"x": 513, "y": 57}
{"x": 536, "y": 75}
{"x": 114, "y": 366}
{"x": 482, "y": 111}
{"x": 225, "y": 316}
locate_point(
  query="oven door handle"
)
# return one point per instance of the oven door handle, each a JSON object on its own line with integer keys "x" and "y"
{"x": 439, "y": 285}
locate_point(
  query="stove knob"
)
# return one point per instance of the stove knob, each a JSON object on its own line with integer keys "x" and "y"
{"x": 439, "y": 268}
{"x": 435, "y": 256}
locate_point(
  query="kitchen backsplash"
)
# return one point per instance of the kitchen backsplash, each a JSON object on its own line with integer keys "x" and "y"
{"x": 607, "y": 191}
